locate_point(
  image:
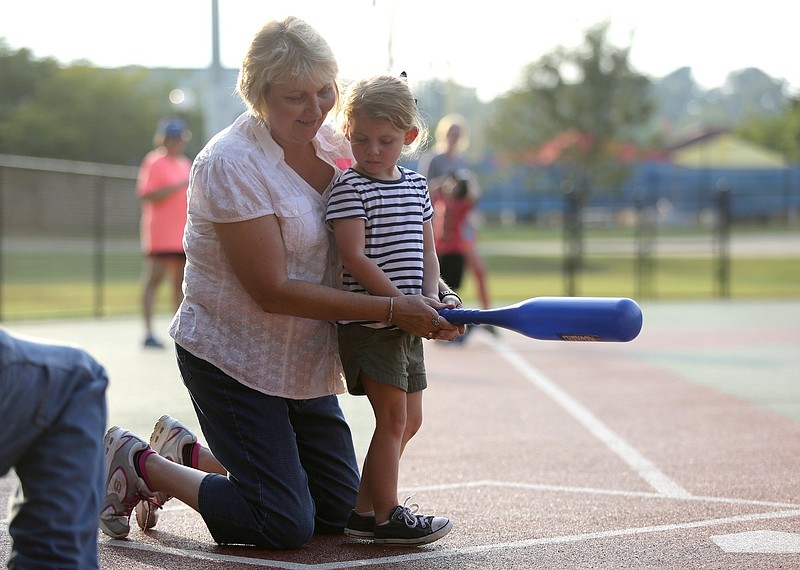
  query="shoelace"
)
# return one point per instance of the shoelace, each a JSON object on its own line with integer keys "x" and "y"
{"x": 409, "y": 516}
{"x": 157, "y": 501}
{"x": 129, "y": 503}
{"x": 156, "y": 505}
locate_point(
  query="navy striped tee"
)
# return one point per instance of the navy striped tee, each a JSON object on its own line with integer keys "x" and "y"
{"x": 394, "y": 212}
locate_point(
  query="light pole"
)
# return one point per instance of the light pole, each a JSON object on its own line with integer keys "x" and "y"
{"x": 214, "y": 121}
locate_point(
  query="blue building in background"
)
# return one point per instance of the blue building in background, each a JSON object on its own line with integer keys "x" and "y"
{"x": 683, "y": 184}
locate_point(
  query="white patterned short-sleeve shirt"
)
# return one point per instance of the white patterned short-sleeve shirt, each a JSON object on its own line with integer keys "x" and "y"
{"x": 241, "y": 175}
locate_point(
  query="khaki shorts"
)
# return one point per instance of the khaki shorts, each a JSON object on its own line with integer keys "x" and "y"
{"x": 388, "y": 356}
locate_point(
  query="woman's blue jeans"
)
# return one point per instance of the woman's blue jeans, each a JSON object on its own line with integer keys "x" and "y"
{"x": 291, "y": 464}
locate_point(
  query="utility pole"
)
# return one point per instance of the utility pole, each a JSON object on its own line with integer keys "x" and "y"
{"x": 214, "y": 121}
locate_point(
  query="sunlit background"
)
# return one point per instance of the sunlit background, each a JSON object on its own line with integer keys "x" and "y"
{"x": 713, "y": 153}
{"x": 477, "y": 44}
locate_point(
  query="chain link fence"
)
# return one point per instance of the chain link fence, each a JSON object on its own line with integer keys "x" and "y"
{"x": 69, "y": 234}
{"x": 69, "y": 238}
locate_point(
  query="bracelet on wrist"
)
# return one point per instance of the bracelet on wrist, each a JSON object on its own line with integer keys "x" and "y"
{"x": 390, "y": 316}
{"x": 448, "y": 293}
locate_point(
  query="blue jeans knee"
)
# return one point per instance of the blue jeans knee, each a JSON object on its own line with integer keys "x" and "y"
{"x": 291, "y": 463}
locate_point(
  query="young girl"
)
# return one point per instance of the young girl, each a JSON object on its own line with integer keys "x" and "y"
{"x": 381, "y": 217}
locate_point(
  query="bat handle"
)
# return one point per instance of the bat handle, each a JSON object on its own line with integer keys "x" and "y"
{"x": 463, "y": 316}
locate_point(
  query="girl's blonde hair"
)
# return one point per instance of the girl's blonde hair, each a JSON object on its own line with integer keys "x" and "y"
{"x": 385, "y": 97}
{"x": 281, "y": 52}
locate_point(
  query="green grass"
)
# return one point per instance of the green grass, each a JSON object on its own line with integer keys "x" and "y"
{"x": 47, "y": 284}
{"x": 513, "y": 278}
{"x": 531, "y": 232}
{"x": 40, "y": 285}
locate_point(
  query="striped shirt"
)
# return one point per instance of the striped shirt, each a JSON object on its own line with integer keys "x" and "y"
{"x": 394, "y": 212}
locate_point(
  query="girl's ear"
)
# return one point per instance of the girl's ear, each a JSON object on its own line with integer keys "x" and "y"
{"x": 411, "y": 135}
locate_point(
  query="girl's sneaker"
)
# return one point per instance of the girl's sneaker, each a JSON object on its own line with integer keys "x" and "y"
{"x": 405, "y": 527}
{"x": 360, "y": 526}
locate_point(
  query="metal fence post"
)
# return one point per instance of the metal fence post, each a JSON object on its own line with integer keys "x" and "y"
{"x": 2, "y": 238}
{"x": 99, "y": 245}
{"x": 573, "y": 237}
{"x": 723, "y": 238}
{"x": 645, "y": 239}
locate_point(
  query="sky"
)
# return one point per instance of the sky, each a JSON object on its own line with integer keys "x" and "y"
{"x": 478, "y": 44}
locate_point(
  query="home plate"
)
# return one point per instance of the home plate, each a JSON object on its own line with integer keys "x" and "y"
{"x": 759, "y": 541}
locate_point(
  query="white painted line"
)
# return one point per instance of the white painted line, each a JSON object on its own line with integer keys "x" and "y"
{"x": 198, "y": 555}
{"x": 176, "y": 505}
{"x": 449, "y": 553}
{"x": 643, "y": 466}
{"x": 595, "y": 491}
{"x": 665, "y": 487}
{"x": 759, "y": 542}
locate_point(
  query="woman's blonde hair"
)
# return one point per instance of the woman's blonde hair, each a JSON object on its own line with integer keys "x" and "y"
{"x": 283, "y": 51}
{"x": 384, "y": 97}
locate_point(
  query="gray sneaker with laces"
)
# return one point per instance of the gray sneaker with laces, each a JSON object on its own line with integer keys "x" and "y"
{"x": 124, "y": 487}
{"x": 406, "y": 527}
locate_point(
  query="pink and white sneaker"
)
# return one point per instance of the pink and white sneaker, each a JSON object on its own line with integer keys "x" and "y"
{"x": 168, "y": 439}
{"x": 124, "y": 487}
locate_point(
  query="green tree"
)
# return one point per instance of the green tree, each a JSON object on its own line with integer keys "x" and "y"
{"x": 20, "y": 77}
{"x": 792, "y": 133}
{"x": 80, "y": 112}
{"x": 593, "y": 101}
{"x": 85, "y": 113}
{"x": 591, "y": 91}
{"x": 780, "y": 133}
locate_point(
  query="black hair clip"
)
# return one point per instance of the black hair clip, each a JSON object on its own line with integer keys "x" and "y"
{"x": 404, "y": 77}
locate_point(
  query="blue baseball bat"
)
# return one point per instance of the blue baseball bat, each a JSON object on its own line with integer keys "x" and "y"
{"x": 600, "y": 319}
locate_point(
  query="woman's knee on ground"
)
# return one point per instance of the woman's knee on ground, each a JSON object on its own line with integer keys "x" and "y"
{"x": 289, "y": 531}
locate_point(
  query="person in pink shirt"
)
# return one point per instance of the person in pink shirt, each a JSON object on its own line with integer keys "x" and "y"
{"x": 161, "y": 186}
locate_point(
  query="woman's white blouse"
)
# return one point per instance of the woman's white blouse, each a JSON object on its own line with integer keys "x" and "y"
{"x": 241, "y": 175}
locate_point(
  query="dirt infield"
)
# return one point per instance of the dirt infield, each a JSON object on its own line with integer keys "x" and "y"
{"x": 678, "y": 450}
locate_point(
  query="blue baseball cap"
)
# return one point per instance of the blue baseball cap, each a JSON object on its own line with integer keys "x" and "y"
{"x": 174, "y": 128}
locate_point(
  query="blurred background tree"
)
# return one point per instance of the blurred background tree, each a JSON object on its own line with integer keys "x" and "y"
{"x": 779, "y": 132}
{"x": 79, "y": 112}
{"x": 83, "y": 112}
{"x": 592, "y": 92}
{"x": 578, "y": 108}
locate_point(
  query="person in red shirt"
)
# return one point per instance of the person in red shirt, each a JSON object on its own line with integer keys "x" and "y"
{"x": 454, "y": 189}
{"x": 453, "y": 201}
{"x": 161, "y": 186}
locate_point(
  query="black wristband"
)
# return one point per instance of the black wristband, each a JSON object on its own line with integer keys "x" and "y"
{"x": 443, "y": 294}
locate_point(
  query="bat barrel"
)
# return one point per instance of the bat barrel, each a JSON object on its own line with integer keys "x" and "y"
{"x": 607, "y": 319}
